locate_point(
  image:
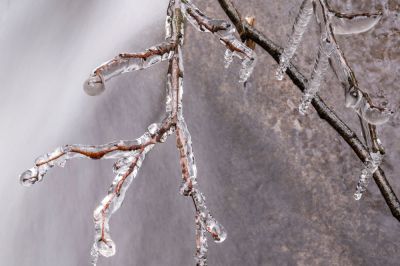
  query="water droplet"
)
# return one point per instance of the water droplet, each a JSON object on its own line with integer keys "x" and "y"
{"x": 106, "y": 248}
{"x": 29, "y": 177}
{"x": 93, "y": 86}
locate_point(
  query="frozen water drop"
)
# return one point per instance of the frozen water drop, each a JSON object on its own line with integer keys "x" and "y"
{"x": 106, "y": 248}
{"x": 357, "y": 195}
{"x": 61, "y": 163}
{"x": 29, "y": 177}
{"x": 216, "y": 230}
{"x": 93, "y": 86}
{"x": 354, "y": 24}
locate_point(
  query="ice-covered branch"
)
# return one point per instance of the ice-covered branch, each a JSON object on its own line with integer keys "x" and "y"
{"x": 126, "y": 169}
{"x": 130, "y": 154}
{"x": 225, "y": 32}
{"x": 205, "y": 222}
{"x": 188, "y": 165}
{"x": 340, "y": 23}
{"x": 201, "y": 241}
{"x": 124, "y": 63}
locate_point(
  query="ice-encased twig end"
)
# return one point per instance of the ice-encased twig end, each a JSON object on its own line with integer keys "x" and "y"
{"x": 93, "y": 86}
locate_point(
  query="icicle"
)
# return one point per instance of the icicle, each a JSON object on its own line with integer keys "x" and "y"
{"x": 366, "y": 174}
{"x": 201, "y": 242}
{"x": 94, "y": 254}
{"x": 299, "y": 27}
{"x": 353, "y": 24}
{"x": 228, "y": 58}
{"x": 317, "y": 76}
{"x": 246, "y": 70}
{"x": 225, "y": 31}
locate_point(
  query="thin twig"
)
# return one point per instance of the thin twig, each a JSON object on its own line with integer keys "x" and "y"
{"x": 322, "y": 109}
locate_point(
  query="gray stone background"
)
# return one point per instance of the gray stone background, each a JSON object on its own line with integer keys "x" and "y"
{"x": 281, "y": 184}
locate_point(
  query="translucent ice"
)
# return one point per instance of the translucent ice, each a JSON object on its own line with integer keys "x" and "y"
{"x": 225, "y": 31}
{"x": 125, "y": 63}
{"x": 216, "y": 230}
{"x": 371, "y": 165}
{"x": 299, "y": 27}
{"x": 187, "y": 160}
{"x": 352, "y": 24}
{"x": 201, "y": 242}
{"x": 317, "y": 76}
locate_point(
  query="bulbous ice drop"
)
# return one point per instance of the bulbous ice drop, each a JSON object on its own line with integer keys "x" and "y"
{"x": 106, "y": 248}
{"x": 374, "y": 115}
{"x": 29, "y": 177}
{"x": 354, "y": 24}
{"x": 93, "y": 86}
{"x": 216, "y": 230}
{"x": 371, "y": 114}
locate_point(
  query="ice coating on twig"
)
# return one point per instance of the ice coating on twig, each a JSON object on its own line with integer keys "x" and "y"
{"x": 126, "y": 169}
{"x": 129, "y": 155}
{"x": 225, "y": 31}
{"x": 371, "y": 165}
{"x": 298, "y": 30}
{"x": 216, "y": 230}
{"x": 317, "y": 76}
{"x": 125, "y": 63}
{"x": 61, "y": 155}
{"x": 343, "y": 24}
{"x": 201, "y": 241}
{"x": 187, "y": 161}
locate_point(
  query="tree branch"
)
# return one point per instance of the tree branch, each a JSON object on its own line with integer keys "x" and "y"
{"x": 249, "y": 32}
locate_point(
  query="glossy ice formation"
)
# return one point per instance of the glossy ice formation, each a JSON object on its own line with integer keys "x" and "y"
{"x": 225, "y": 32}
{"x": 354, "y": 24}
{"x": 371, "y": 165}
{"x": 320, "y": 67}
{"x": 299, "y": 28}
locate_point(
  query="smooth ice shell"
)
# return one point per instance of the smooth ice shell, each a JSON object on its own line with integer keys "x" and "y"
{"x": 93, "y": 87}
{"x": 354, "y": 25}
{"x": 29, "y": 177}
{"x": 106, "y": 249}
